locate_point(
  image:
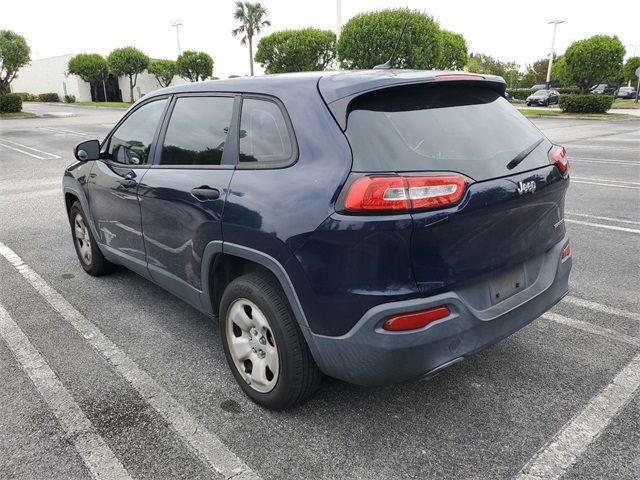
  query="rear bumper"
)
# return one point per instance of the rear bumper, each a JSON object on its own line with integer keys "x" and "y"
{"x": 369, "y": 355}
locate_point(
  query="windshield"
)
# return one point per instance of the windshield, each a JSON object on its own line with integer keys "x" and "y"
{"x": 541, "y": 93}
{"x": 439, "y": 127}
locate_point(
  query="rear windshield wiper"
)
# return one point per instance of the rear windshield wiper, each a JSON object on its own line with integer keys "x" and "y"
{"x": 523, "y": 154}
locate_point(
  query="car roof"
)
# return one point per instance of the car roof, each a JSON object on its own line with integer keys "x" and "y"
{"x": 333, "y": 85}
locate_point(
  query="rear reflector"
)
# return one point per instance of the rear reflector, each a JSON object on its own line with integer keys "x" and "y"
{"x": 566, "y": 252}
{"x": 413, "y": 321}
{"x": 394, "y": 193}
{"x": 559, "y": 157}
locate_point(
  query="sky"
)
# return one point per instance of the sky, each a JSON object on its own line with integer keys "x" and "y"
{"x": 507, "y": 30}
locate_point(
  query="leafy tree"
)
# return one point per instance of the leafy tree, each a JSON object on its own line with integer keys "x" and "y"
{"x": 453, "y": 53}
{"x": 528, "y": 79}
{"x": 511, "y": 74}
{"x": 540, "y": 67}
{"x": 594, "y": 60}
{"x": 194, "y": 66}
{"x": 483, "y": 63}
{"x": 629, "y": 69}
{"x": 163, "y": 70}
{"x": 90, "y": 67}
{"x": 252, "y": 20}
{"x": 14, "y": 54}
{"x": 368, "y": 39}
{"x": 303, "y": 50}
{"x": 559, "y": 72}
{"x": 128, "y": 61}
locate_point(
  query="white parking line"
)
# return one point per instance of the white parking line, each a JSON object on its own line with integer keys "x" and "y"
{"x": 608, "y": 219}
{"x": 95, "y": 453}
{"x": 612, "y": 185}
{"x": 608, "y": 180}
{"x": 22, "y": 151}
{"x": 599, "y": 225}
{"x": 598, "y": 307}
{"x": 627, "y": 163}
{"x": 593, "y": 328}
{"x": 66, "y": 132}
{"x": 52, "y": 155}
{"x": 555, "y": 458}
{"x": 207, "y": 446}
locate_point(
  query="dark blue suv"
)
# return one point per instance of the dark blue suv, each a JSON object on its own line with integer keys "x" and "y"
{"x": 374, "y": 226}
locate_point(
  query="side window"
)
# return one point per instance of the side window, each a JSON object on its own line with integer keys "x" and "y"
{"x": 264, "y": 136}
{"x": 197, "y": 131}
{"x": 131, "y": 142}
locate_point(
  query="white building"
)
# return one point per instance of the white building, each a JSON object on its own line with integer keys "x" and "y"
{"x": 48, "y": 75}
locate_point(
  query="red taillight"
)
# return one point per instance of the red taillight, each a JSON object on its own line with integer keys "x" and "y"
{"x": 393, "y": 193}
{"x": 559, "y": 157}
{"x": 566, "y": 252}
{"x": 413, "y": 321}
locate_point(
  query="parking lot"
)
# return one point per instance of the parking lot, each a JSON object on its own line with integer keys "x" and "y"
{"x": 115, "y": 378}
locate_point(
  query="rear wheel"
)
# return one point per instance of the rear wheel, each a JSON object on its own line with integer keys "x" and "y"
{"x": 264, "y": 345}
{"x": 90, "y": 256}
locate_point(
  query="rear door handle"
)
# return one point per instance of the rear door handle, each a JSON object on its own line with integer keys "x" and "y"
{"x": 205, "y": 193}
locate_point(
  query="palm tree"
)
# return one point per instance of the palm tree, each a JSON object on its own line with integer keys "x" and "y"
{"x": 251, "y": 17}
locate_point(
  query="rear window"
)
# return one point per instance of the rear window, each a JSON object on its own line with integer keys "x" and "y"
{"x": 474, "y": 131}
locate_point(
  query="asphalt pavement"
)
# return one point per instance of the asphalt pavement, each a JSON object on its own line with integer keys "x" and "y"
{"x": 112, "y": 377}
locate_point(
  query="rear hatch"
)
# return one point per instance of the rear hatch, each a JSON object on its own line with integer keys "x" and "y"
{"x": 476, "y": 176}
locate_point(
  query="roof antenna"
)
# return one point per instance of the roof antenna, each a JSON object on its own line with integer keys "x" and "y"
{"x": 389, "y": 63}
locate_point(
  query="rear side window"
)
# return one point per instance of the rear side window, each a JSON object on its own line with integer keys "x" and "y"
{"x": 264, "y": 136}
{"x": 471, "y": 130}
{"x": 131, "y": 142}
{"x": 197, "y": 131}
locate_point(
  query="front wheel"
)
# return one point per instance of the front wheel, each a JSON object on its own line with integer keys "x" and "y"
{"x": 263, "y": 344}
{"x": 90, "y": 256}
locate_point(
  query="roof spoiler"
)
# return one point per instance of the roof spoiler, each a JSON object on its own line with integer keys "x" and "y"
{"x": 340, "y": 108}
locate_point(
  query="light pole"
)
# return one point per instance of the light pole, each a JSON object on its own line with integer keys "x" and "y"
{"x": 634, "y": 54}
{"x": 555, "y": 22}
{"x": 177, "y": 23}
{"x": 338, "y": 17}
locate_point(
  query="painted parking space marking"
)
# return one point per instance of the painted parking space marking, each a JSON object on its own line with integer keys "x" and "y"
{"x": 30, "y": 149}
{"x": 600, "y": 225}
{"x": 64, "y": 131}
{"x": 94, "y": 452}
{"x": 563, "y": 451}
{"x": 607, "y": 219}
{"x": 593, "y": 329}
{"x": 627, "y": 163}
{"x": 598, "y": 307}
{"x": 205, "y": 445}
{"x": 602, "y": 184}
{"x": 608, "y": 180}
{"x": 22, "y": 151}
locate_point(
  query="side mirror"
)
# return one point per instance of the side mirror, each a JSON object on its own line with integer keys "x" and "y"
{"x": 89, "y": 150}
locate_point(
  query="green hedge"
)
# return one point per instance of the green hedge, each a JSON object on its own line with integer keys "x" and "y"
{"x": 10, "y": 103}
{"x": 69, "y": 99}
{"x": 589, "y": 103}
{"x": 48, "y": 97}
{"x": 523, "y": 93}
{"x": 27, "y": 97}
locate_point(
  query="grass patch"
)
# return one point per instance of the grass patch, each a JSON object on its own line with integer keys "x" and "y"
{"x": 17, "y": 114}
{"x": 534, "y": 112}
{"x": 102, "y": 104}
{"x": 625, "y": 103}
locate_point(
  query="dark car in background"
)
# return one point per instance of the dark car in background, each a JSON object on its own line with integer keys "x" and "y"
{"x": 543, "y": 97}
{"x": 602, "y": 89}
{"x": 375, "y": 226}
{"x": 626, "y": 92}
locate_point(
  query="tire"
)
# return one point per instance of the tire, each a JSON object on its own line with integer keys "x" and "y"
{"x": 89, "y": 255}
{"x": 528, "y": 104}
{"x": 256, "y": 321}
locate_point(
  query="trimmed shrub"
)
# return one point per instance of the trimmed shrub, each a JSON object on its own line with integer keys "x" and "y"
{"x": 519, "y": 93}
{"x": 10, "y": 103}
{"x": 567, "y": 90}
{"x": 69, "y": 99}
{"x": 589, "y": 103}
{"x": 27, "y": 97}
{"x": 48, "y": 97}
